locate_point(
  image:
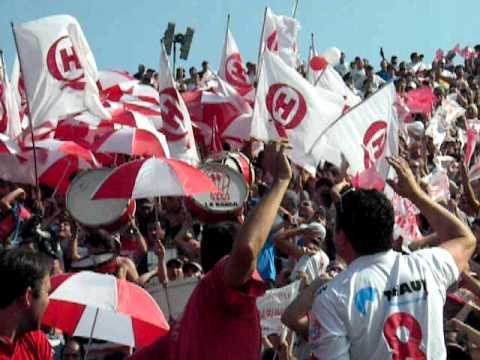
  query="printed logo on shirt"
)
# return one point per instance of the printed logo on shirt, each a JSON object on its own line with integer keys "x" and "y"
{"x": 405, "y": 288}
{"x": 364, "y": 295}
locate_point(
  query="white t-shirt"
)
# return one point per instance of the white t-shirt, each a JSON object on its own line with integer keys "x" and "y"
{"x": 313, "y": 266}
{"x": 384, "y": 304}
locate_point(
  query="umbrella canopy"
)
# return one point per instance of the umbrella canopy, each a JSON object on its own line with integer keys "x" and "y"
{"x": 100, "y": 306}
{"x": 154, "y": 177}
{"x": 58, "y": 161}
{"x": 131, "y": 141}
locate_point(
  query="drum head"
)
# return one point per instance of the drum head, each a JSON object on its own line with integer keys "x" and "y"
{"x": 233, "y": 190}
{"x": 92, "y": 261}
{"x": 93, "y": 213}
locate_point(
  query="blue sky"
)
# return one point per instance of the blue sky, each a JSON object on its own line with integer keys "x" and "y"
{"x": 124, "y": 33}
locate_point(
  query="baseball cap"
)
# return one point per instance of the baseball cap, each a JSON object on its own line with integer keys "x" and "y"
{"x": 317, "y": 229}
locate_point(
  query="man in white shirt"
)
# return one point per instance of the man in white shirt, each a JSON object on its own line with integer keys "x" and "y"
{"x": 387, "y": 305}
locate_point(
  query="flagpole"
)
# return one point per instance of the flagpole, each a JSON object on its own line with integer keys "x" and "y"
{"x": 228, "y": 27}
{"x": 260, "y": 50}
{"x": 2, "y": 59}
{"x": 294, "y": 13}
{"x": 312, "y": 35}
{"x": 27, "y": 103}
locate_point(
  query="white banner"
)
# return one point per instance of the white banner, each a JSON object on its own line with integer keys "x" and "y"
{"x": 272, "y": 305}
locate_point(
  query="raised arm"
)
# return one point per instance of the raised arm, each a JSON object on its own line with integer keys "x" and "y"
{"x": 454, "y": 236}
{"x": 467, "y": 187}
{"x": 254, "y": 232}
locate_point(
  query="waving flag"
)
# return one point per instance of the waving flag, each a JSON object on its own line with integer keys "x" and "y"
{"x": 288, "y": 107}
{"x": 365, "y": 135}
{"x": 9, "y": 112}
{"x": 58, "y": 68}
{"x": 331, "y": 80}
{"x": 18, "y": 89}
{"x": 176, "y": 122}
{"x": 231, "y": 66}
{"x": 280, "y": 36}
{"x": 420, "y": 100}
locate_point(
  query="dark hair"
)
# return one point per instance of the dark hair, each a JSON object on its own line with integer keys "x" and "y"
{"x": 21, "y": 269}
{"x": 217, "y": 241}
{"x": 80, "y": 346}
{"x": 100, "y": 238}
{"x": 366, "y": 217}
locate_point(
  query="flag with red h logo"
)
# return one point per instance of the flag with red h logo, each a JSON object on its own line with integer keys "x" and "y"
{"x": 288, "y": 107}
{"x": 176, "y": 122}
{"x": 58, "y": 69}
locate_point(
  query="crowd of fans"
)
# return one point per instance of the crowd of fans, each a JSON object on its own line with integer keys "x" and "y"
{"x": 292, "y": 220}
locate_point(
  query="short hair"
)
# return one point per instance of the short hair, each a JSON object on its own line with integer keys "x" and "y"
{"x": 217, "y": 241}
{"x": 21, "y": 269}
{"x": 367, "y": 218}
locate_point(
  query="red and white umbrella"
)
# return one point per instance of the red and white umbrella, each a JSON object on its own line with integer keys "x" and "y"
{"x": 154, "y": 177}
{"x": 100, "y": 306}
{"x": 58, "y": 161}
{"x": 128, "y": 118}
{"x": 131, "y": 141}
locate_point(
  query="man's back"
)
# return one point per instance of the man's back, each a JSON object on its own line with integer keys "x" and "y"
{"x": 219, "y": 322}
{"x": 385, "y": 306}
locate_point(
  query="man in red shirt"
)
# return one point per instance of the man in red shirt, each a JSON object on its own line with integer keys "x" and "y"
{"x": 23, "y": 300}
{"x": 221, "y": 320}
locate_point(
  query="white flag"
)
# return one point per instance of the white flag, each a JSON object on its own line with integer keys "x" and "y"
{"x": 365, "y": 135}
{"x": 176, "y": 122}
{"x": 231, "y": 66}
{"x": 18, "y": 88}
{"x": 59, "y": 69}
{"x": 330, "y": 80}
{"x": 9, "y": 112}
{"x": 288, "y": 107}
{"x": 280, "y": 36}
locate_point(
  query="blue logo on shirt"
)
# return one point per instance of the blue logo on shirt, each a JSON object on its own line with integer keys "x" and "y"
{"x": 362, "y": 296}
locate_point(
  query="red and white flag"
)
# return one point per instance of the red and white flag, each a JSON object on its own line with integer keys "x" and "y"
{"x": 365, "y": 135}
{"x": 288, "y": 107}
{"x": 280, "y": 36}
{"x": 9, "y": 113}
{"x": 176, "y": 122}
{"x": 18, "y": 88}
{"x": 231, "y": 113}
{"x": 231, "y": 66}
{"x": 59, "y": 69}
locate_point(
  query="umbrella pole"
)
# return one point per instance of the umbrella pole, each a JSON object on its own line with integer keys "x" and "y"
{"x": 170, "y": 317}
{"x": 91, "y": 334}
{"x": 61, "y": 179}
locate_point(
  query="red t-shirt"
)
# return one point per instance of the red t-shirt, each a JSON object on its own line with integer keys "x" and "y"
{"x": 32, "y": 345}
{"x": 219, "y": 322}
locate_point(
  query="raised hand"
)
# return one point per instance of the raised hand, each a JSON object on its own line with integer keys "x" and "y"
{"x": 405, "y": 185}
{"x": 275, "y": 161}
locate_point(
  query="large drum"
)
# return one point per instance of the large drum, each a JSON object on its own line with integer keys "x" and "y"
{"x": 110, "y": 214}
{"x": 238, "y": 162}
{"x": 227, "y": 204}
{"x": 103, "y": 263}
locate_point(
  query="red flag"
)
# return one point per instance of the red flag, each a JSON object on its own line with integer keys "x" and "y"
{"x": 439, "y": 55}
{"x": 420, "y": 100}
